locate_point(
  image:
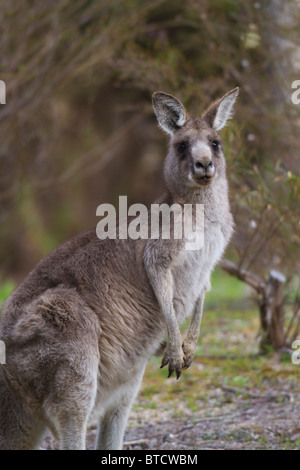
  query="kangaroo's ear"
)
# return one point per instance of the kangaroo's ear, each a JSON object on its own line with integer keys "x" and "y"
{"x": 170, "y": 113}
{"x": 221, "y": 110}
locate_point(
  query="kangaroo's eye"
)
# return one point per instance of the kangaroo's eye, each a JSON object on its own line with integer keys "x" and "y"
{"x": 182, "y": 146}
{"x": 215, "y": 144}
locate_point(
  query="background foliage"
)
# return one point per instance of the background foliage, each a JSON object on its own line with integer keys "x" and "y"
{"x": 78, "y": 128}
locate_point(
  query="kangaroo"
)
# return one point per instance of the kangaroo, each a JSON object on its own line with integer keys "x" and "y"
{"x": 80, "y": 328}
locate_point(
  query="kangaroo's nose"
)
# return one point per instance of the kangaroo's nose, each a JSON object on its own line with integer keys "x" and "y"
{"x": 204, "y": 167}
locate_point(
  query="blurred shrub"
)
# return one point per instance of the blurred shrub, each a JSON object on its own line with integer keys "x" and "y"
{"x": 78, "y": 128}
{"x": 5, "y": 290}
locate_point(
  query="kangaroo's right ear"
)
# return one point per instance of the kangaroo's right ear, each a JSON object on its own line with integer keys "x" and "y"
{"x": 170, "y": 113}
{"x": 220, "y": 111}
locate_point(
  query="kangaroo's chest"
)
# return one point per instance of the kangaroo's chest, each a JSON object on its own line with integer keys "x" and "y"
{"x": 192, "y": 269}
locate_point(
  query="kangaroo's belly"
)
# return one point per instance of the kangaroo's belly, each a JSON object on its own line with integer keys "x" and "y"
{"x": 192, "y": 270}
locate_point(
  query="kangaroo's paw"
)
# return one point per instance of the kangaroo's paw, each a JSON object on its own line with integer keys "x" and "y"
{"x": 174, "y": 357}
{"x": 189, "y": 349}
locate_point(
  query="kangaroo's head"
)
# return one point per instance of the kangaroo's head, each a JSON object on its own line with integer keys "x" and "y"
{"x": 195, "y": 159}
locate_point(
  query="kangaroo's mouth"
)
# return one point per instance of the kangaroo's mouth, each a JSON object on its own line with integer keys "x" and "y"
{"x": 203, "y": 180}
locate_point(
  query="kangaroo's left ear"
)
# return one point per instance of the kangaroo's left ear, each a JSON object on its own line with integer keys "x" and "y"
{"x": 221, "y": 110}
{"x": 169, "y": 111}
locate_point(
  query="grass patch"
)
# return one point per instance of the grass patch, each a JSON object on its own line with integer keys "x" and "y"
{"x": 5, "y": 290}
{"x": 226, "y": 290}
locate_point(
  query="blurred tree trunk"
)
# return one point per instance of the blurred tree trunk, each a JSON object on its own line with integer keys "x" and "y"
{"x": 282, "y": 45}
{"x": 272, "y": 313}
{"x": 270, "y": 304}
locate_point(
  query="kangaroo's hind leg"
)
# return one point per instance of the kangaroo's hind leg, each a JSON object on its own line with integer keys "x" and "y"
{"x": 113, "y": 421}
{"x": 19, "y": 428}
{"x": 70, "y": 427}
{"x": 72, "y": 400}
{"x": 62, "y": 359}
